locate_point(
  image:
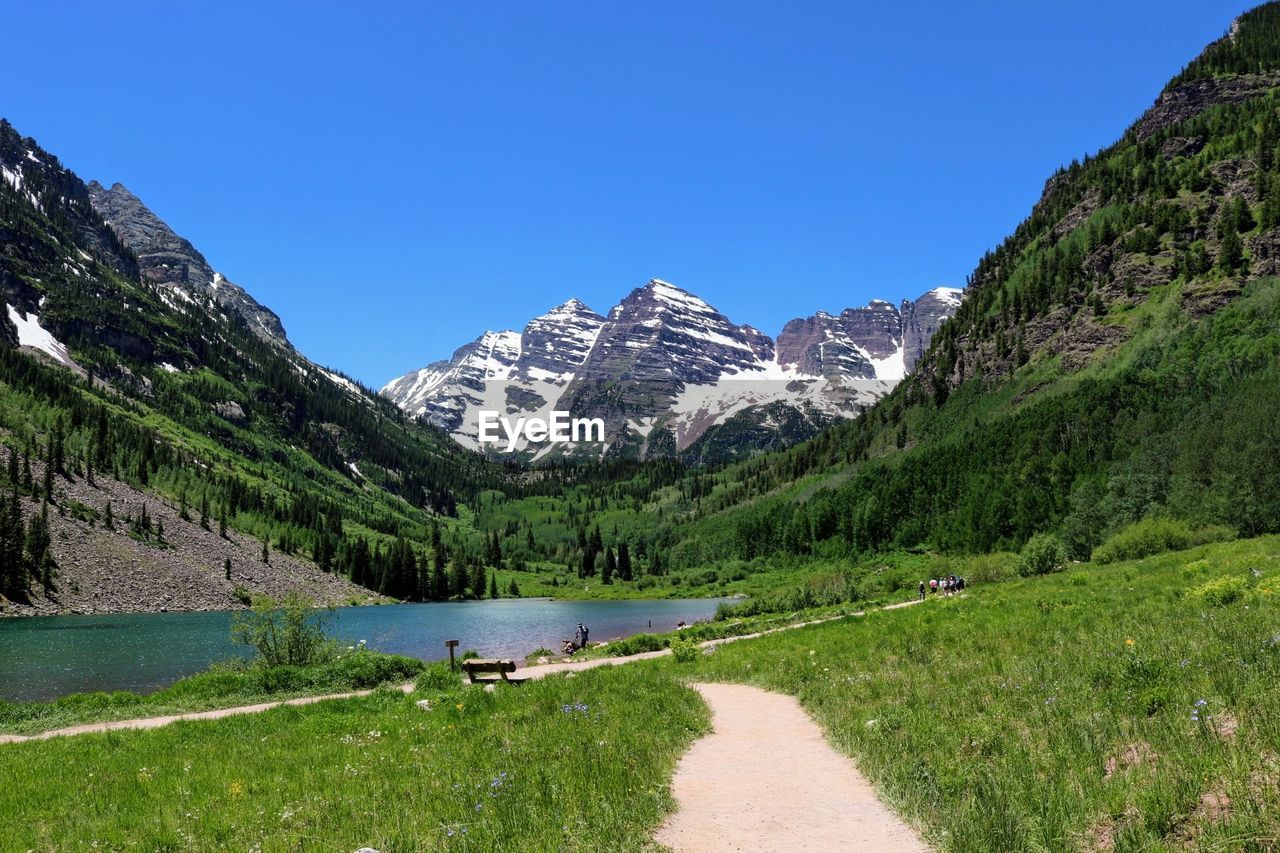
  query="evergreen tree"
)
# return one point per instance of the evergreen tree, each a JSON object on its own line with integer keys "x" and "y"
{"x": 624, "y": 562}
{"x": 439, "y": 579}
{"x": 478, "y": 580}
{"x": 109, "y": 520}
{"x": 1231, "y": 253}
{"x": 266, "y": 550}
{"x": 610, "y": 566}
{"x": 226, "y": 568}
{"x": 459, "y": 579}
{"x": 39, "y": 561}
{"x": 513, "y": 590}
{"x": 204, "y": 510}
{"x": 493, "y": 585}
{"x": 13, "y": 570}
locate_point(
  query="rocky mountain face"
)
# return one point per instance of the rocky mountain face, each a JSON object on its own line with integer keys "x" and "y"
{"x": 171, "y": 389}
{"x": 170, "y": 261}
{"x": 664, "y": 369}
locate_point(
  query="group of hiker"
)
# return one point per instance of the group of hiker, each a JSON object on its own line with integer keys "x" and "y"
{"x": 949, "y": 585}
{"x": 579, "y": 640}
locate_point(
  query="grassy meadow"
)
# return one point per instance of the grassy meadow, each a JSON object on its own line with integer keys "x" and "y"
{"x": 1128, "y": 706}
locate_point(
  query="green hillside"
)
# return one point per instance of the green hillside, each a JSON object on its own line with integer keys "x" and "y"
{"x": 1116, "y": 357}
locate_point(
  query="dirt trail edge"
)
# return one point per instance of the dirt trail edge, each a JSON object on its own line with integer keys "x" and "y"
{"x": 216, "y": 714}
{"x": 766, "y": 779}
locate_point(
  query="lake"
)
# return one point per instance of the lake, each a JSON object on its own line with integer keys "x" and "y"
{"x": 43, "y": 657}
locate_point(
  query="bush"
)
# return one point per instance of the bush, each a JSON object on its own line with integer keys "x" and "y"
{"x": 1222, "y": 591}
{"x": 635, "y": 645}
{"x": 989, "y": 568}
{"x": 685, "y": 651}
{"x": 1147, "y": 537}
{"x": 1043, "y": 553}
{"x": 285, "y": 634}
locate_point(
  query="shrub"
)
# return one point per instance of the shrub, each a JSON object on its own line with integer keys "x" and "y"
{"x": 685, "y": 651}
{"x": 989, "y": 568}
{"x": 1043, "y": 553}
{"x": 1222, "y": 591}
{"x": 285, "y": 634}
{"x": 1154, "y": 536}
{"x": 635, "y": 645}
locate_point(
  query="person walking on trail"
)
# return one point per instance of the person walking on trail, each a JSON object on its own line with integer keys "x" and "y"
{"x": 922, "y": 590}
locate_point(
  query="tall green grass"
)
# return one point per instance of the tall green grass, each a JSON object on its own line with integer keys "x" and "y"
{"x": 1133, "y": 706}
{"x": 577, "y": 764}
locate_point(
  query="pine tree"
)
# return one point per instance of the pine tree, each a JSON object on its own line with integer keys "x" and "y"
{"x": 13, "y": 571}
{"x": 1231, "y": 253}
{"x": 439, "y": 580}
{"x": 514, "y": 590}
{"x": 39, "y": 563}
{"x": 610, "y": 566}
{"x": 266, "y": 550}
{"x": 182, "y": 506}
{"x": 459, "y": 579}
{"x": 204, "y": 510}
{"x": 222, "y": 521}
{"x": 624, "y": 562}
{"x": 478, "y": 580}
{"x": 226, "y": 568}
{"x": 109, "y": 520}
{"x": 493, "y": 585}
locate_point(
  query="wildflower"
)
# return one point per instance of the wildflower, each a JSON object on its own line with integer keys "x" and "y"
{"x": 479, "y": 806}
{"x": 1128, "y": 641}
{"x": 461, "y": 706}
{"x": 235, "y": 789}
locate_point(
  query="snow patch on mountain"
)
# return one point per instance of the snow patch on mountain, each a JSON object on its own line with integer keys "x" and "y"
{"x": 32, "y": 334}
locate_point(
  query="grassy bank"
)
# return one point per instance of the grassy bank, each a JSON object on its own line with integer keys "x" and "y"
{"x": 569, "y": 763}
{"x": 223, "y": 686}
{"x": 1128, "y": 706}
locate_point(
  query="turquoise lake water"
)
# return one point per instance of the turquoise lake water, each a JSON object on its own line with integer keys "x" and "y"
{"x": 49, "y": 656}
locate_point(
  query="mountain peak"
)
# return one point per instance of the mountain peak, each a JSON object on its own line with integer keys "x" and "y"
{"x": 573, "y": 305}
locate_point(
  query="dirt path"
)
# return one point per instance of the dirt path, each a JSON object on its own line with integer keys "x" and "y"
{"x": 530, "y": 672}
{"x": 766, "y": 779}
{"x": 217, "y": 714}
{"x": 542, "y": 670}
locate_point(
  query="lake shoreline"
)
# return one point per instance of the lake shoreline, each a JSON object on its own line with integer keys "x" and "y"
{"x": 46, "y": 657}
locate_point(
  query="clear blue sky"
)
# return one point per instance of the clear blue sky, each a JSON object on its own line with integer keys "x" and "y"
{"x": 393, "y": 182}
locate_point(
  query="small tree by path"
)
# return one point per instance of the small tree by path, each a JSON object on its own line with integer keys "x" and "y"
{"x": 288, "y": 633}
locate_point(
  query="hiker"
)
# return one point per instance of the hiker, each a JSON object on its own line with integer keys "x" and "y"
{"x": 922, "y": 590}
{"x": 568, "y": 647}
{"x": 581, "y": 636}
{"x": 960, "y": 583}
{"x": 933, "y": 584}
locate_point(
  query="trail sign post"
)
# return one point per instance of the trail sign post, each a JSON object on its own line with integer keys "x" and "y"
{"x": 451, "y": 645}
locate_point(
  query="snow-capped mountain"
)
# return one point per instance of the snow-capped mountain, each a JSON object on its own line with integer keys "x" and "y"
{"x": 664, "y": 369}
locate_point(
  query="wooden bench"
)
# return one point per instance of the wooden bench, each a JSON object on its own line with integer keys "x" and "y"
{"x": 475, "y": 666}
